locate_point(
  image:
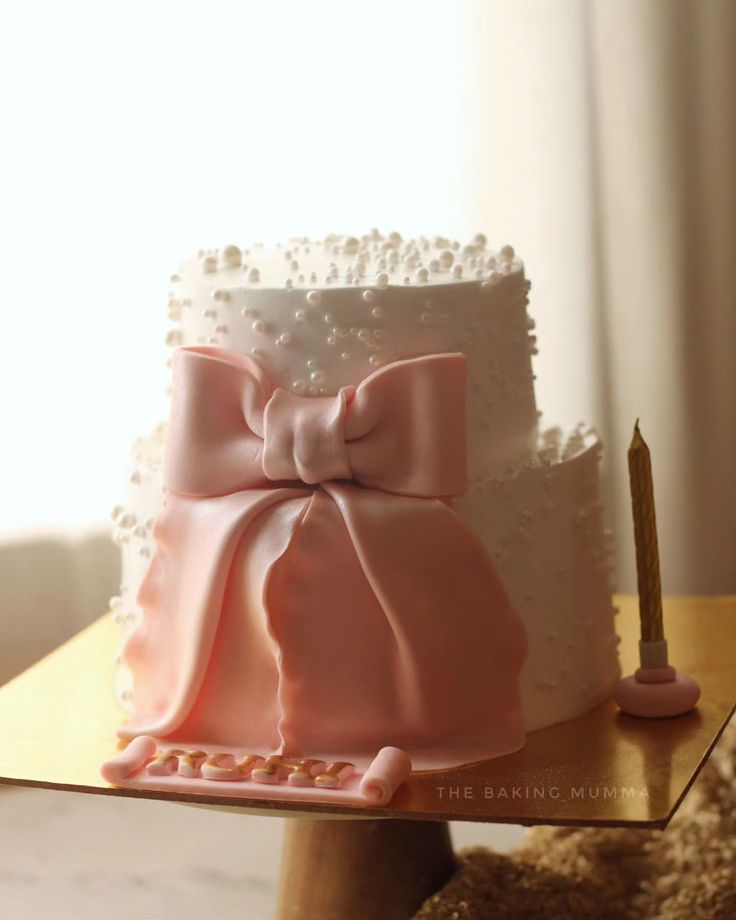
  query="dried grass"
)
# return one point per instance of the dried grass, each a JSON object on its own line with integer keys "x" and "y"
{"x": 687, "y": 872}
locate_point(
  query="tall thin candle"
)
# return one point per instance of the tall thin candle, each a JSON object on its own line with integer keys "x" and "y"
{"x": 645, "y": 535}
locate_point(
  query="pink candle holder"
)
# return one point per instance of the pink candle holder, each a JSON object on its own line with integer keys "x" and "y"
{"x": 656, "y": 690}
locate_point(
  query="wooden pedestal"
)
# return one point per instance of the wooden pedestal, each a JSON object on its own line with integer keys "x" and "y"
{"x": 361, "y": 870}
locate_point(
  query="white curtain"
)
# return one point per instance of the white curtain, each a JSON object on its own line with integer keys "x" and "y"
{"x": 600, "y": 137}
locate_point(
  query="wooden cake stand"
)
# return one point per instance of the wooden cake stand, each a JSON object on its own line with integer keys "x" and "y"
{"x": 58, "y": 720}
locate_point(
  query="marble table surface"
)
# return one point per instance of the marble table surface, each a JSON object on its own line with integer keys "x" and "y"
{"x": 69, "y": 856}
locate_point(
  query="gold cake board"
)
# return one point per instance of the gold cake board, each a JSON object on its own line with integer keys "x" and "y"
{"x": 58, "y": 721}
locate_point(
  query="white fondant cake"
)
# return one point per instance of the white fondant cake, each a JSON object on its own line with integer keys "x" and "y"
{"x": 322, "y": 315}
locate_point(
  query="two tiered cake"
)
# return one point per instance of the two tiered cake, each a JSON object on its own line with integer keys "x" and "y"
{"x": 353, "y": 532}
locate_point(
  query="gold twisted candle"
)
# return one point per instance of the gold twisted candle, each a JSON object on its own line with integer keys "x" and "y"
{"x": 645, "y": 535}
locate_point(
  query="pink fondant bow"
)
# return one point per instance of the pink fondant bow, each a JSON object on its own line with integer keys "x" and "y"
{"x": 401, "y": 430}
{"x": 312, "y": 589}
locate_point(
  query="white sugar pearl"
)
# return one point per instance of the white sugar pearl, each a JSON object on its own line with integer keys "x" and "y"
{"x": 256, "y": 351}
{"x": 422, "y": 274}
{"x": 369, "y": 296}
{"x": 317, "y": 376}
{"x": 173, "y": 338}
{"x": 382, "y": 280}
{"x": 209, "y": 265}
{"x": 345, "y": 355}
{"x": 434, "y": 265}
{"x": 288, "y": 284}
{"x": 312, "y": 363}
{"x": 377, "y": 312}
{"x": 258, "y": 326}
{"x": 300, "y": 315}
{"x": 254, "y": 275}
{"x": 284, "y": 339}
{"x": 232, "y": 257}
{"x": 507, "y": 253}
{"x": 328, "y": 318}
{"x": 446, "y": 258}
{"x": 457, "y": 271}
{"x": 314, "y": 297}
{"x": 298, "y": 386}
{"x": 480, "y": 240}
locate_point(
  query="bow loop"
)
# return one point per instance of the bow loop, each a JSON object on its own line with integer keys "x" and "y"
{"x": 402, "y": 430}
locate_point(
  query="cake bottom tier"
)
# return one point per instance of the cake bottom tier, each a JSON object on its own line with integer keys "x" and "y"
{"x": 542, "y": 524}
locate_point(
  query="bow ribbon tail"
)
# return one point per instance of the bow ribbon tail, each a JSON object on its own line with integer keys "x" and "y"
{"x": 461, "y": 644}
{"x": 182, "y": 597}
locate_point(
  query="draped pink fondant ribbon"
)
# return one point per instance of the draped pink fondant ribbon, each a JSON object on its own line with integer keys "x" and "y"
{"x": 312, "y": 587}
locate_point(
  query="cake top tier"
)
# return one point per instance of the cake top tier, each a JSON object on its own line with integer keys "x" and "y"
{"x": 372, "y": 260}
{"x": 321, "y": 316}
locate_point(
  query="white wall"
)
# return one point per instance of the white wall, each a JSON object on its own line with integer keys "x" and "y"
{"x": 135, "y": 133}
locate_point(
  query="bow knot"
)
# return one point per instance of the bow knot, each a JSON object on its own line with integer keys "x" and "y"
{"x": 304, "y": 437}
{"x": 402, "y": 430}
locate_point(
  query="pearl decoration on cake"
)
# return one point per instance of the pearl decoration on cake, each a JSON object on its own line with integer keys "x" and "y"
{"x": 232, "y": 257}
{"x": 369, "y": 296}
{"x": 314, "y": 298}
{"x": 254, "y": 275}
